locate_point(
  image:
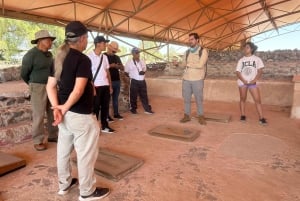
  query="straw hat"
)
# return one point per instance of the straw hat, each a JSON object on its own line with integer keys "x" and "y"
{"x": 42, "y": 34}
{"x": 114, "y": 46}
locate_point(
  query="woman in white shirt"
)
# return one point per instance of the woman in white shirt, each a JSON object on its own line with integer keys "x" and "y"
{"x": 249, "y": 71}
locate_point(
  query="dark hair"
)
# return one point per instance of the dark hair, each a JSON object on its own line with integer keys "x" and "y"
{"x": 252, "y": 46}
{"x": 196, "y": 36}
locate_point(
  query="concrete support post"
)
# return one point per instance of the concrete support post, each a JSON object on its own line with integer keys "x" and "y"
{"x": 295, "y": 112}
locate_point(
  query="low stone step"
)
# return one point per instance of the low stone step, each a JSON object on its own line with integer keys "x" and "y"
{"x": 10, "y": 73}
{"x": 16, "y": 133}
{"x": 13, "y": 101}
{"x": 14, "y": 115}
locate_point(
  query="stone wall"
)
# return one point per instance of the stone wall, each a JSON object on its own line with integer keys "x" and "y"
{"x": 280, "y": 64}
{"x": 10, "y": 74}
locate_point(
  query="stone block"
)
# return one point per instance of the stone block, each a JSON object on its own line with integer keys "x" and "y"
{"x": 9, "y": 163}
{"x": 223, "y": 118}
{"x": 175, "y": 133}
{"x": 14, "y": 134}
{"x": 115, "y": 165}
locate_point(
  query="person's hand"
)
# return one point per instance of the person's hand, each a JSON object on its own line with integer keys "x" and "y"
{"x": 58, "y": 117}
{"x": 94, "y": 91}
{"x": 111, "y": 90}
{"x": 253, "y": 82}
{"x": 62, "y": 108}
{"x": 114, "y": 65}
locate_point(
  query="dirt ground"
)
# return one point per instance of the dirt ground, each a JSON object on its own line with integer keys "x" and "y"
{"x": 229, "y": 161}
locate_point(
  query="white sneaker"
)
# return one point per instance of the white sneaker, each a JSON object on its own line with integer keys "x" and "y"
{"x": 108, "y": 130}
{"x": 74, "y": 182}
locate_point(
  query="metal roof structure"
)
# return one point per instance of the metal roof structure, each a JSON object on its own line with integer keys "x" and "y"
{"x": 220, "y": 23}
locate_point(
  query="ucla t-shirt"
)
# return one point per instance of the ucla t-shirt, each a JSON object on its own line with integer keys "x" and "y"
{"x": 248, "y": 67}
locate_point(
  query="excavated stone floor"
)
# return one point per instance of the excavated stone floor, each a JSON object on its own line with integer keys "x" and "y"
{"x": 229, "y": 161}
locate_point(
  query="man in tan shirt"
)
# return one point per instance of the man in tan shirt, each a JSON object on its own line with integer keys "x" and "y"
{"x": 193, "y": 78}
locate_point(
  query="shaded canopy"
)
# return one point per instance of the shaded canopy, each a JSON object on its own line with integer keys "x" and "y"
{"x": 220, "y": 23}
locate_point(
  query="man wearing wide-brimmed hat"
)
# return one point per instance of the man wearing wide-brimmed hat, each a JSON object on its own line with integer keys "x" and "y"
{"x": 35, "y": 70}
{"x": 115, "y": 65}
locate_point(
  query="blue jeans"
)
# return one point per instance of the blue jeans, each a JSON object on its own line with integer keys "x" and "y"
{"x": 116, "y": 85}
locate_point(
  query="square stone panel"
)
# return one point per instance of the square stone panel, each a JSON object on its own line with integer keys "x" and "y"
{"x": 223, "y": 118}
{"x": 175, "y": 133}
{"x": 9, "y": 163}
{"x": 114, "y": 165}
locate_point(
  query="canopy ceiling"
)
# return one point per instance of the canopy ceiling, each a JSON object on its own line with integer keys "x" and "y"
{"x": 220, "y": 23}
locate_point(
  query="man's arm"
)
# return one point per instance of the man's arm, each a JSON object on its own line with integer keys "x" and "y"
{"x": 26, "y": 68}
{"x": 80, "y": 84}
{"x": 204, "y": 57}
{"x": 52, "y": 95}
{"x": 109, "y": 80}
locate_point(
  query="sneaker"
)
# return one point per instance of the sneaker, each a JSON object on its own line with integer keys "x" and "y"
{"x": 263, "y": 121}
{"x": 65, "y": 191}
{"x": 201, "y": 120}
{"x": 98, "y": 194}
{"x": 118, "y": 117}
{"x": 108, "y": 130}
{"x": 133, "y": 111}
{"x": 149, "y": 112}
{"x": 109, "y": 119}
{"x": 243, "y": 118}
{"x": 185, "y": 119}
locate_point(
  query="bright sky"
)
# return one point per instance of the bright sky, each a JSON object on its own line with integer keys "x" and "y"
{"x": 286, "y": 38}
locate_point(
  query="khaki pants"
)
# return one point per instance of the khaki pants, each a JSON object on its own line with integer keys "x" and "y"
{"x": 40, "y": 104}
{"x": 79, "y": 132}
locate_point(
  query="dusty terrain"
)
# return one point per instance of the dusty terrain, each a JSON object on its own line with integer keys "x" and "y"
{"x": 228, "y": 162}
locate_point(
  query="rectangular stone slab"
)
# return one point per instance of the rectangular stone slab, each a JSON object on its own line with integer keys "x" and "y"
{"x": 9, "y": 163}
{"x": 224, "y": 118}
{"x": 114, "y": 165}
{"x": 175, "y": 132}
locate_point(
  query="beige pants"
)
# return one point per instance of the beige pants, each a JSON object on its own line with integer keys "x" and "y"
{"x": 79, "y": 132}
{"x": 40, "y": 104}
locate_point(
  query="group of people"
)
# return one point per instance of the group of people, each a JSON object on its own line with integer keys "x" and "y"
{"x": 75, "y": 90}
{"x": 248, "y": 71}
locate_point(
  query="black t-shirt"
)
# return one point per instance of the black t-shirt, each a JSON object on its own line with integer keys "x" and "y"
{"x": 76, "y": 65}
{"x": 114, "y": 73}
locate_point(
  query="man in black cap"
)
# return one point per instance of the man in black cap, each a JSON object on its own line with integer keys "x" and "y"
{"x": 73, "y": 113}
{"x": 102, "y": 82}
{"x": 136, "y": 69}
{"x": 35, "y": 69}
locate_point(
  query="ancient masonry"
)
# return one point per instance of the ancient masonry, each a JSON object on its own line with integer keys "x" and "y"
{"x": 15, "y": 110}
{"x": 15, "y": 116}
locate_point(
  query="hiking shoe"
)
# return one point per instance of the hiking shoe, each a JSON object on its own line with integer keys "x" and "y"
{"x": 133, "y": 111}
{"x": 65, "y": 191}
{"x": 149, "y": 112}
{"x": 201, "y": 120}
{"x": 108, "y": 130}
{"x": 109, "y": 119}
{"x": 243, "y": 118}
{"x": 185, "y": 119}
{"x": 263, "y": 121}
{"x": 119, "y": 117}
{"x": 98, "y": 194}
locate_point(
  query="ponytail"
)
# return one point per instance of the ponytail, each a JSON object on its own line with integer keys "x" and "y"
{"x": 62, "y": 52}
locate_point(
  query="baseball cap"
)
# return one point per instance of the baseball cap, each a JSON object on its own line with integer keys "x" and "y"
{"x": 135, "y": 50}
{"x": 75, "y": 29}
{"x": 100, "y": 39}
